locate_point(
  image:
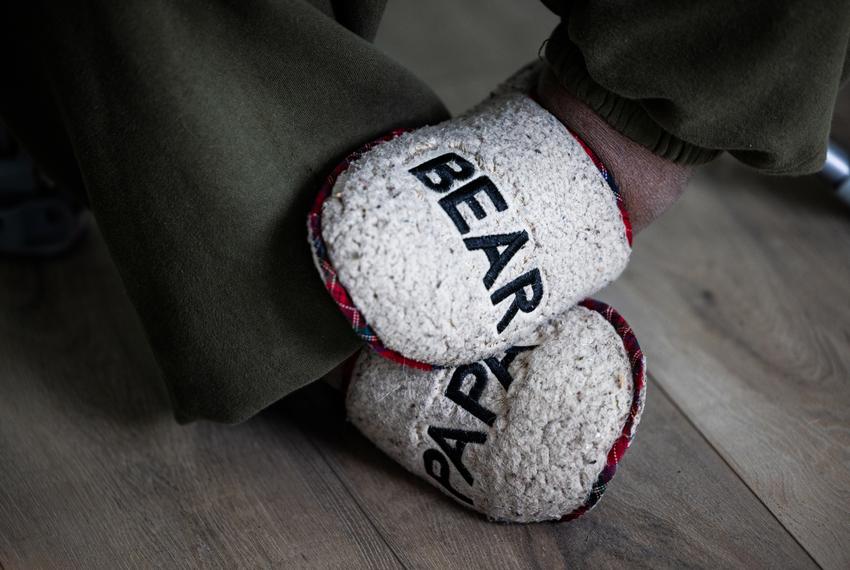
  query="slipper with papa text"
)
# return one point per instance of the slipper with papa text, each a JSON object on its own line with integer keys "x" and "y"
{"x": 530, "y": 435}
{"x": 451, "y": 243}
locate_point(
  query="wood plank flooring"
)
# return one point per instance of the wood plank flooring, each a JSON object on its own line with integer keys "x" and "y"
{"x": 740, "y": 297}
{"x": 96, "y": 473}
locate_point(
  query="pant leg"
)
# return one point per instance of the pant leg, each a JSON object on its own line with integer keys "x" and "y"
{"x": 203, "y": 130}
{"x": 691, "y": 79}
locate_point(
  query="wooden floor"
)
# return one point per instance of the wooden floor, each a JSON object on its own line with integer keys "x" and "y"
{"x": 740, "y": 297}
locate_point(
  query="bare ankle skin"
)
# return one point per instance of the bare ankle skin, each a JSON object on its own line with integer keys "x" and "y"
{"x": 648, "y": 183}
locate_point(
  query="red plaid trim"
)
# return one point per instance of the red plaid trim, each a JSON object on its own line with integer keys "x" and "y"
{"x": 337, "y": 290}
{"x": 638, "y": 364}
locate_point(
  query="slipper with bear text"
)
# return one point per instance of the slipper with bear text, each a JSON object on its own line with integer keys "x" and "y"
{"x": 451, "y": 243}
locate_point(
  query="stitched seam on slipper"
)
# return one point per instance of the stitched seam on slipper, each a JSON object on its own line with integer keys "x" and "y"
{"x": 637, "y": 361}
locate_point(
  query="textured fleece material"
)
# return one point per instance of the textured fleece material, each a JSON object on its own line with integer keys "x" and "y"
{"x": 525, "y": 442}
{"x": 455, "y": 241}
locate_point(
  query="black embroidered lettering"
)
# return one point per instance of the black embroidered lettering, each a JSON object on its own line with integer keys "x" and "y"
{"x": 469, "y": 400}
{"x": 441, "y": 173}
{"x": 499, "y": 368}
{"x": 466, "y": 195}
{"x": 432, "y": 457}
{"x": 521, "y": 301}
{"x": 490, "y": 245}
{"x": 455, "y": 452}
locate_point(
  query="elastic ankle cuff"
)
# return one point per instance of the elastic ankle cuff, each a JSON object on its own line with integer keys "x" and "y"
{"x": 626, "y": 116}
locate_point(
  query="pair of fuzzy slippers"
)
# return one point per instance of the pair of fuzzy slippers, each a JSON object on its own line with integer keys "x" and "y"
{"x": 464, "y": 254}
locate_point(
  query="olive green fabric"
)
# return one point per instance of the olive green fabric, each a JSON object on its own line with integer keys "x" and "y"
{"x": 688, "y": 80}
{"x": 202, "y": 130}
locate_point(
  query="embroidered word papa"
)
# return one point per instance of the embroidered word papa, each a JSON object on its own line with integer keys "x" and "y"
{"x": 467, "y": 396}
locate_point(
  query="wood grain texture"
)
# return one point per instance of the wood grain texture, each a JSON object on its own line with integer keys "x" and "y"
{"x": 675, "y": 503}
{"x": 96, "y": 474}
{"x": 741, "y": 298}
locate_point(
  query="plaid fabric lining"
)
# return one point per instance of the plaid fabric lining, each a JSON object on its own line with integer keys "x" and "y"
{"x": 638, "y": 364}
{"x": 338, "y": 291}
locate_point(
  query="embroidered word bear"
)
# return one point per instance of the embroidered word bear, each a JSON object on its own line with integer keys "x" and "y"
{"x": 469, "y": 399}
{"x": 441, "y": 174}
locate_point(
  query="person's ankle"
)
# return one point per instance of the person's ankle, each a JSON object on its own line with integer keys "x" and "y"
{"x": 648, "y": 183}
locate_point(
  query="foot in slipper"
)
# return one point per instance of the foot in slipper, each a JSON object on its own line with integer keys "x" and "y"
{"x": 452, "y": 243}
{"x": 532, "y": 434}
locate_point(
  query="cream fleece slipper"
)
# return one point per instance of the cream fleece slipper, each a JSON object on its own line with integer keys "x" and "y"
{"x": 533, "y": 434}
{"x": 451, "y": 243}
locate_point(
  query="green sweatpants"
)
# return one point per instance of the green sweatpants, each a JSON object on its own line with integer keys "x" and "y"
{"x": 201, "y": 130}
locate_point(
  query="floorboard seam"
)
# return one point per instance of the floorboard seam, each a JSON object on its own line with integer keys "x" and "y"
{"x": 357, "y": 502}
{"x": 658, "y": 386}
